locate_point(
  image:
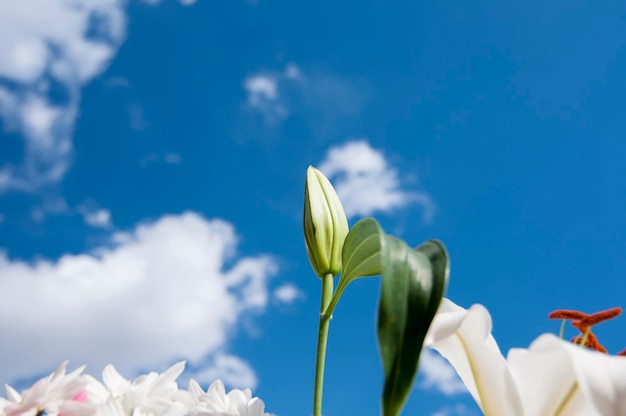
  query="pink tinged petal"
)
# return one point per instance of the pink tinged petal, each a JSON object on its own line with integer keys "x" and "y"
{"x": 464, "y": 338}
{"x": 81, "y": 396}
{"x": 74, "y": 408}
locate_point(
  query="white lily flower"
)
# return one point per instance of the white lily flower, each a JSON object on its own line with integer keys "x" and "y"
{"x": 551, "y": 378}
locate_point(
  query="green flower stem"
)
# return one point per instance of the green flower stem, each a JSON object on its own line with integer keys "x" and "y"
{"x": 335, "y": 298}
{"x": 322, "y": 339}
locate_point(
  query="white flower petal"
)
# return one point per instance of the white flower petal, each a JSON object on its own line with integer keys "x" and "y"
{"x": 12, "y": 394}
{"x": 601, "y": 378}
{"x": 546, "y": 380}
{"x": 464, "y": 338}
{"x": 114, "y": 380}
{"x": 551, "y": 377}
{"x": 195, "y": 389}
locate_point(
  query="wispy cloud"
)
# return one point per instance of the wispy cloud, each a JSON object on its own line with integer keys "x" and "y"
{"x": 262, "y": 97}
{"x": 275, "y": 95}
{"x": 456, "y": 410}
{"x": 50, "y": 206}
{"x": 93, "y": 215}
{"x": 437, "y": 373}
{"x": 157, "y": 293}
{"x": 168, "y": 158}
{"x": 157, "y": 2}
{"x": 366, "y": 183}
{"x": 100, "y": 218}
{"x": 288, "y": 293}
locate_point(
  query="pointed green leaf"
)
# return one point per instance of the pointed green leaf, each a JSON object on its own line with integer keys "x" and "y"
{"x": 413, "y": 284}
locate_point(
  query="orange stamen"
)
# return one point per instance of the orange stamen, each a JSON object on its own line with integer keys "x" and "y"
{"x": 584, "y": 322}
{"x": 567, "y": 314}
{"x": 601, "y": 316}
{"x": 591, "y": 342}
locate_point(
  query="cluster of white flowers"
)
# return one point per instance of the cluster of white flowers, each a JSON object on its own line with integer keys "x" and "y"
{"x": 78, "y": 394}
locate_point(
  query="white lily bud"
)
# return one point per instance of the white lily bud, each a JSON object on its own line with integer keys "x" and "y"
{"x": 325, "y": 224}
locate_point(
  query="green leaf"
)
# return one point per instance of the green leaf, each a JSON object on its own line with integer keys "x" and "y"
{"x": 413, "y": 284}
{"x": 361, "y": 250}
{"x": 360, "y": 256}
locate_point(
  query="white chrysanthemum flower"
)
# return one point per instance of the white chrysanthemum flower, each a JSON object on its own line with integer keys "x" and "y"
{"x": 146, "y": 395}
{"x": 59, "y": 393}
{"x": 215, "y": 402}
{"x": 153, "y": 394}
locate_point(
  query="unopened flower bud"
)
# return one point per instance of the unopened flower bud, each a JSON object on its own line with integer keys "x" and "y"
{"x": 325, "y": 224}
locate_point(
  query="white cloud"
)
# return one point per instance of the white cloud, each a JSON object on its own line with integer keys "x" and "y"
{"x": 276, "y": 94}
{"x": 153, "y": 295}
{"x": 100, "y": 218}
{"x": 46, "y": 43}
{"x": 232, "y": 370}
{"x": 288, "y": 293}
{"x": 366, "y": 183}
{"x": 437, "y": 373}
{"x": 51, "y": 45}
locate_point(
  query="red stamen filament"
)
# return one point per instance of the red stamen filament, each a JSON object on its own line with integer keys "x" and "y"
{"x": 602, "y": 316}
{"x": 584, "y": 322}
{"x": 566, "y": 314}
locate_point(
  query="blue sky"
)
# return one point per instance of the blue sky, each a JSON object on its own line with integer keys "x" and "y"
{"x": 152, "y": 164}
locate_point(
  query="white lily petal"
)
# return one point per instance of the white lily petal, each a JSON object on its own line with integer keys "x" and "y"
{"x": 464, "y": 338}
{"x": 546, "y": 380}
{"x": 601, "y": 378}
{"x": 552, "y": 377}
